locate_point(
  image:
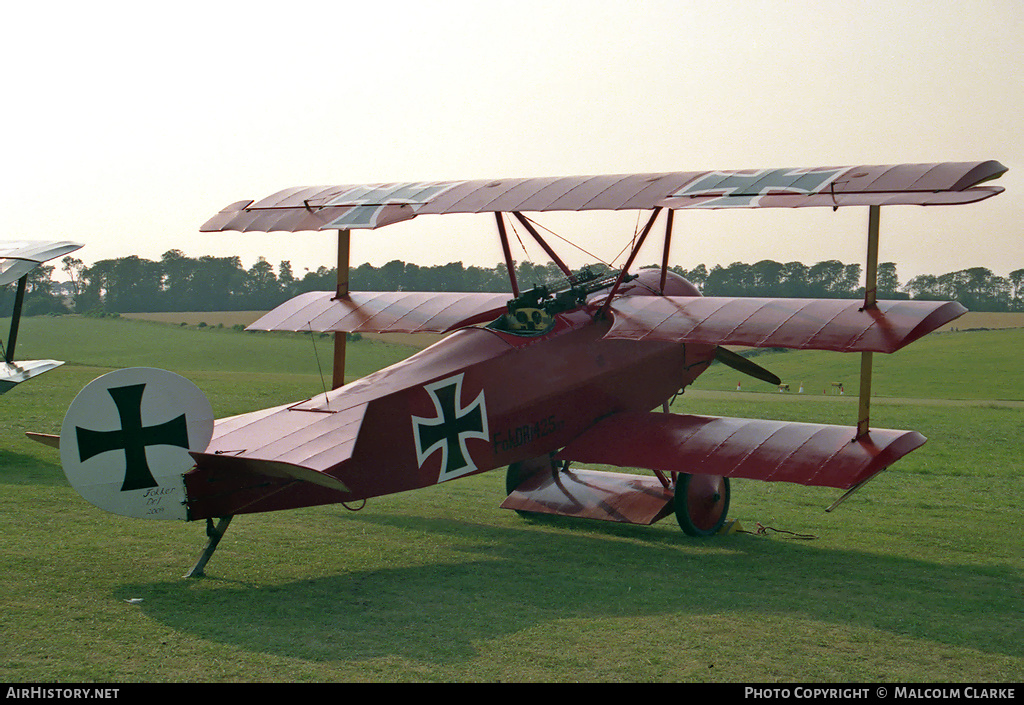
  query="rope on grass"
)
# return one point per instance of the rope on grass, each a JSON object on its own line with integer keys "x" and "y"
{"x": 763, "y": 530}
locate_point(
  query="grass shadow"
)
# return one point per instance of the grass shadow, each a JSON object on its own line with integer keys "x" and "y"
{"x": 25, "y": 469}
{"x": 518, "y": 579}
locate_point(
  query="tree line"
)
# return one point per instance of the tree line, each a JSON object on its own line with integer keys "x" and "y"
{"x": 180, "y": 283}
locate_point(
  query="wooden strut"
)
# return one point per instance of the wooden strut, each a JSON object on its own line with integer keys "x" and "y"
{"x": 338, "y": 374}
{"x": 870, "y": 301}
{"x": 509, "y": 263}
{"x": 632, "y": 256}
{"x": 19, "y": 300}
{"x": 215, "y": 534}
{"x": 668, "y": 245}
{"x": 547, "y": 248}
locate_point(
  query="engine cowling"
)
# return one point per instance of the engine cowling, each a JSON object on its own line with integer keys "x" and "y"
{"x": 648, "y": 283}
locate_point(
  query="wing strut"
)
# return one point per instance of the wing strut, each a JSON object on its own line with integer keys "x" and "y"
{"x": 12, "y": 339}
{"x": 632, "y": 256}
{"x": 547, "y": 248}
{"x": 338, "y": 376}
{"x": 668, "y": 245}
{"x": 870, "y": 301}
{"x": 509, "y": 263}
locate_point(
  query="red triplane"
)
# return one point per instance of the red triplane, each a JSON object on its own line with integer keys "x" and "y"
{"x": 535, "y": 381}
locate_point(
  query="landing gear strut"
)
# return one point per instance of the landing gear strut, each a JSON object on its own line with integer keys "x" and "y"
{"x": 517, "y": 473}
{"x": 215, "y": 533}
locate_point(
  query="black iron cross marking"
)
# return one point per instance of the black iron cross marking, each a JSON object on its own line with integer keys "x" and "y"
{"x": 744, "y": 190}
{"x": 450, "y": 429}
{"x": 133, "y": 438}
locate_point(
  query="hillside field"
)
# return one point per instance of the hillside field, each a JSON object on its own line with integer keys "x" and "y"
{"x": 918, "y": 577}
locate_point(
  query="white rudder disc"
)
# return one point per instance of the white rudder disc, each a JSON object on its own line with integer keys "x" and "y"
{"x": 126, "y": 439}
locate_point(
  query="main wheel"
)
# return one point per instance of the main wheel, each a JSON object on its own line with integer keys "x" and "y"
{"x": 701, "y": 503}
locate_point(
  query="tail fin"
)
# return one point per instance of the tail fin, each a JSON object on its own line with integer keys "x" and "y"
{"x": 126, "y": 439}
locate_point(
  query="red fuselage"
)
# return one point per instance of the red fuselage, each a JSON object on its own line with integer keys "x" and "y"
{"x": 477, "y": 400}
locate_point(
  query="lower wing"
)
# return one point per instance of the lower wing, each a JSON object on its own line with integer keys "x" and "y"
{"x": 810, "y": 324}
{"x": 17, "y": 372}
{"x": 775, "y": 451}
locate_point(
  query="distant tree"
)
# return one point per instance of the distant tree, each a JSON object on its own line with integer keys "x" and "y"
{"x": 795, "y": 283}
{"x": 825, "y": 279}
{"x": 1017, "y": 290}
{"x": 127, "y": 284}
{"x": 698, "y": 276}
{"x": 218, "y": 284}
{"x": 888, "y": 283}
{"x": 766, "y": 277}
{"x": 41, "y": 296}
{"x": 286, "y": 280}
{"x": 734, "y": 280}
{"x": 261, "y": 288}
{"x": 178, "y": 282}
{"x": 977, "y": 288}
{"x": 849, "y": 284}
{"x": 923, "y": 286}
{"x": 392, "y": 275}
{"x": 324, "y": 279}
{"x": 179, "y": 279}
{"x": 74, "y": 268}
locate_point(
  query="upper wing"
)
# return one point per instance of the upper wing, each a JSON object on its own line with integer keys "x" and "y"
{"x": 375, "y": 205}
{"x": 383, "y": 312}
{"x": 19, "y": 257}
{"x": 776, "y": 451}
{"x": 818, "y": 324}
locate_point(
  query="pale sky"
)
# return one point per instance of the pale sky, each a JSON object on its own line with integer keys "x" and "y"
{"x": 128, "y": 125}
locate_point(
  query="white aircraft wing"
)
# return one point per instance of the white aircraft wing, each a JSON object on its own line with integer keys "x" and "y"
{"x": 13, "y": 373}
{"x": 19, "y": 257}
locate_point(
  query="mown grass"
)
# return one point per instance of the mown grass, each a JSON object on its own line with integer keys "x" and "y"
{"x": 918, "y": 577}
{"x": 954, "y": 365}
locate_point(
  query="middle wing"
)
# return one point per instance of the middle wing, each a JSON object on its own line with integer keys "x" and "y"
{"x": 775, "y": 451}
{"x": 813, "y": 324}
{"x": 383, "y": 312}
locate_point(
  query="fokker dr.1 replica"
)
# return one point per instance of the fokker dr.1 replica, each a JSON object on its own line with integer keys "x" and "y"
{"x": 532, "y": 381}
{"x": 17, "y": 259}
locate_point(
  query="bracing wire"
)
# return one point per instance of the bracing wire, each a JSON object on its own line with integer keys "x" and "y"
{"x": 323, "y": 383}
{"x": 569, "y": 242}
{"x": 629, "y": 245}
{"x": 516, "y": 233}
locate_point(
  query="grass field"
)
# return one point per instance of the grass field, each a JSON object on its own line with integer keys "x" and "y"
{"x": 916, "y": 578}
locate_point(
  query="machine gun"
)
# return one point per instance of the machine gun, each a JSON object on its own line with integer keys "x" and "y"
{"x": 532, "y": 312}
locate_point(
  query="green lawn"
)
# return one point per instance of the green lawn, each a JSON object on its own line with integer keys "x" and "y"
{"x": 917, "y": 577}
